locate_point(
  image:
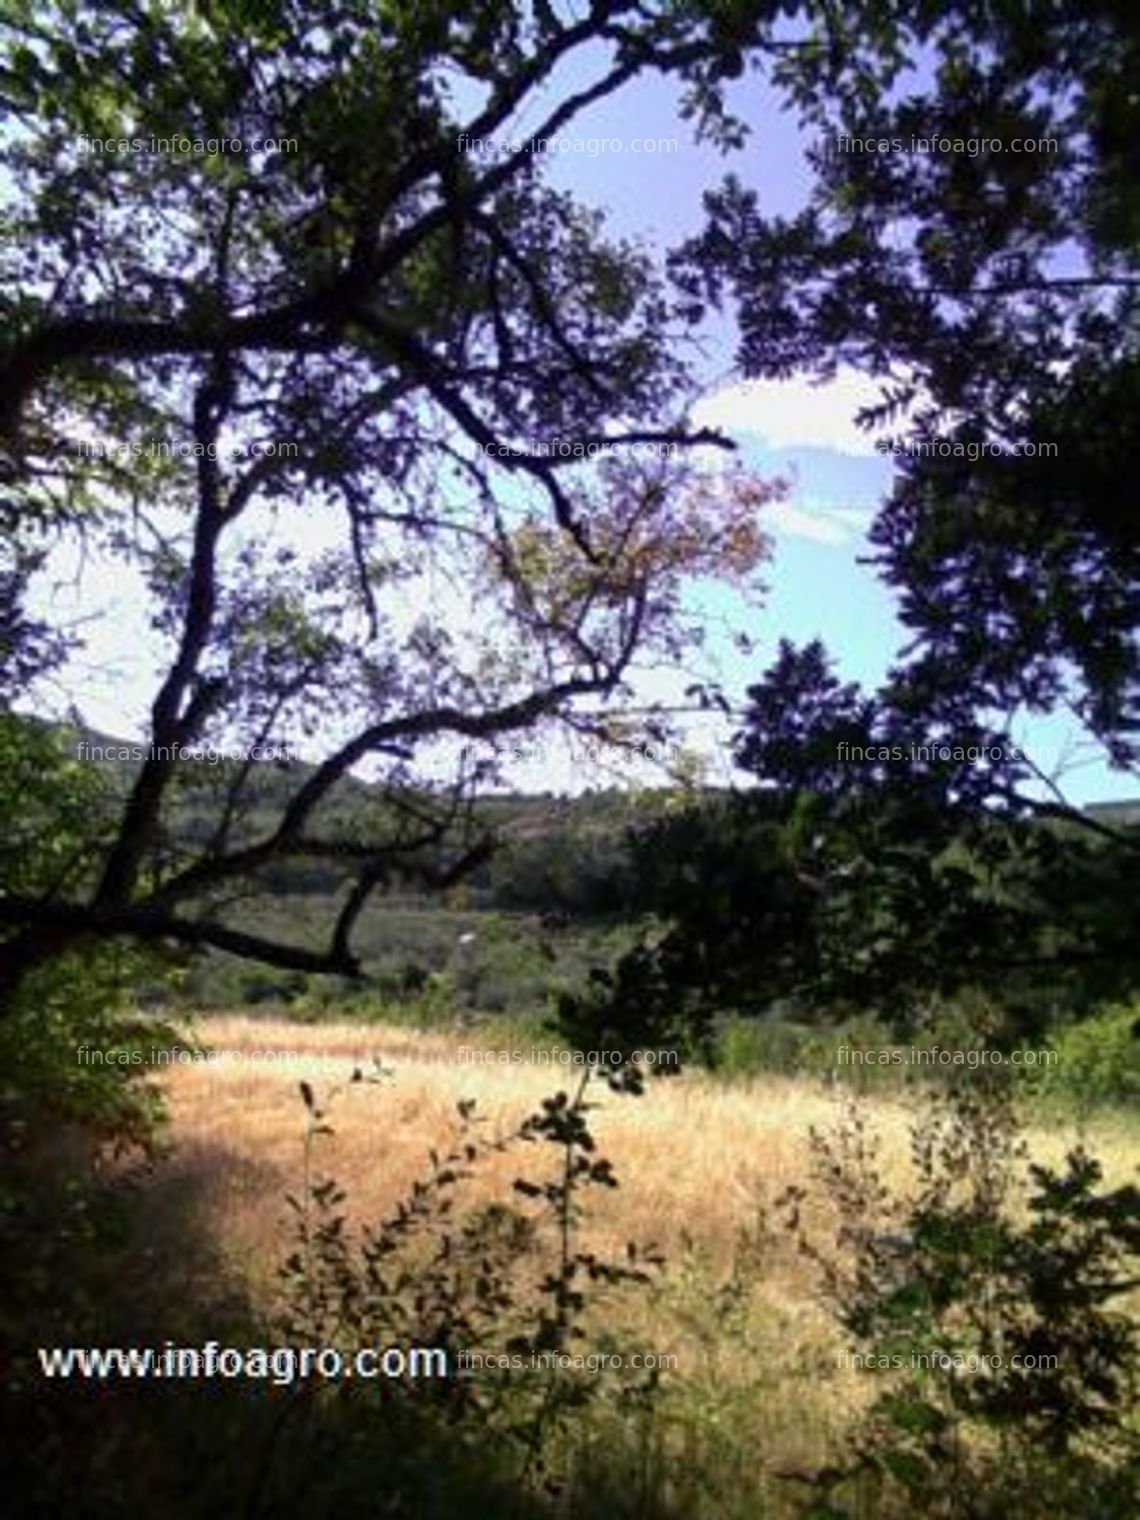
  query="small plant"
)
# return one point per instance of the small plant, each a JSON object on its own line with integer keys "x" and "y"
{"x": 1002, "y": 1329}
{"x": 434, "y": 1274}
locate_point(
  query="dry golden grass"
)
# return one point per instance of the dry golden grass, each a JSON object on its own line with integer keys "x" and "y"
{"x": 692, "y": 1155}
{"x": 696, "y": 1158}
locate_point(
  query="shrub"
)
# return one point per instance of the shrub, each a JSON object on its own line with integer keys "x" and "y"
{"x": 1021, "y": 1399}
{"x": 1098, "y": 1061}
{"x": 435, "y": 1275}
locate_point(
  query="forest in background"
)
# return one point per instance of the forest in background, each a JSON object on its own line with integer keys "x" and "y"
{"x": 296, "y": 413}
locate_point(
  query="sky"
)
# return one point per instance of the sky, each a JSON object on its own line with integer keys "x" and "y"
{"x": 794, "y": 429}
{"x": 797, "y": 430}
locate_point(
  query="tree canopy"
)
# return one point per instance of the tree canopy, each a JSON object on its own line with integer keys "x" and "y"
{"x": 971, "y": 241}
{"x": 306, "y": 392}
{"x": 354, "y": 332}
{"x": 985, "y": 270}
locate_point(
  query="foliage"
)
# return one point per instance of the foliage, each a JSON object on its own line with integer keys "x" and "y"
{"x": 76, "y": 1051}
{"x": 430, "y": 1276}
{"x": 75, "y": 1048}
{"x": 417, "y": 346}
{"x": 1009, "y": 1332}
{"x": 855, "y": 877}
{"x": 1098, "y": 1062}
{"x": 73, "y": 1045}
{"x": 993, "y": 293}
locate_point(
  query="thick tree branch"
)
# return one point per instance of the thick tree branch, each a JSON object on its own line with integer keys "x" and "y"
{"x": 71, "y": 923}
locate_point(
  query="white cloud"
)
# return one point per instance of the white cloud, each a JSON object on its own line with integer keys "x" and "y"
{"x": 818, "y": 522}
{"x": 859, "y": 518}
{"x": 796, "y": 522}
{"x": 795, "y": 413}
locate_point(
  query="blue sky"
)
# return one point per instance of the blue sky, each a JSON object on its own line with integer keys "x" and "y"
{"x": 794, "y": 430}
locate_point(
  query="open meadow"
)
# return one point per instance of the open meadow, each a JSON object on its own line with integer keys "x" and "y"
{"x": 755, "y": 1375}
{"x": 569, "y": 760}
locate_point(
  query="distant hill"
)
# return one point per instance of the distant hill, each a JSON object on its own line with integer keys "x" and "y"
{"x": 525, "y": 813}
{"x": 556, "y": 849}
{"x": 1115, "y": 812}
{"x": 560, "y": 854}
{"x": 563, "y": 893}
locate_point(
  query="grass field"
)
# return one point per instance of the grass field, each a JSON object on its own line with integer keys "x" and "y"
{"x": 694, "y": 1154}
{"x": 754, "y": 1387}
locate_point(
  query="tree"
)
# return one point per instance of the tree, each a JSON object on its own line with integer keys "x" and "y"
{"x": 850, "y": 876}
{"x": 56, "y": 813}
{"x": 993, "y": 292}
{"x": 995, "y": 287}
{"x": 355, "y": 318}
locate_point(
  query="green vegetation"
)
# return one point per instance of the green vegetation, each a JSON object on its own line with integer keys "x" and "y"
{"x": 280, "y": 400}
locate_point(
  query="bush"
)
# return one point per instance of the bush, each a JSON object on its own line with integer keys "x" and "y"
{"x": 442, "y": 1273}
{"x": 1098, "y": 1061}
{"x": 1021, "y": 1400}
